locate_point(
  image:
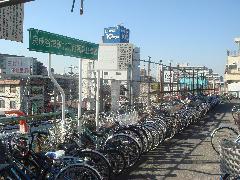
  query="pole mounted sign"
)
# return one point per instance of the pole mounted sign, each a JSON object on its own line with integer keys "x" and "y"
{"x": 46, "y": 42}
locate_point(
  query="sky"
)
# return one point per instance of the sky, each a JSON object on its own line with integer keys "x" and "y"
{"x": 198, "y": 32}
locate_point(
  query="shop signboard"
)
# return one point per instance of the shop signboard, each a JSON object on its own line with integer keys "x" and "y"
{"x": 118, "y": 34}
{"x": 18, "y": 65}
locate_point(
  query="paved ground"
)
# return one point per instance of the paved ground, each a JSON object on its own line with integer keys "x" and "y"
{"x": 188, "y": 156}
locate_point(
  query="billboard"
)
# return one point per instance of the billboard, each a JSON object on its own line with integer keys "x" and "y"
{"x": 18, "y": 65}
{"x": 118, "y": 34}
{"x": 11, "y": 22}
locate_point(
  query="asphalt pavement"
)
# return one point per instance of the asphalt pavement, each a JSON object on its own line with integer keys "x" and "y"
{"x": 188, "y": 156}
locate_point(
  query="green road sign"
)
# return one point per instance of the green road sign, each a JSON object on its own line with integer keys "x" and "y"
{"x": 42, "y": 41}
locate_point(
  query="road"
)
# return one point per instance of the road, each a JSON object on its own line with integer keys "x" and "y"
{"x": 187, "y": 156}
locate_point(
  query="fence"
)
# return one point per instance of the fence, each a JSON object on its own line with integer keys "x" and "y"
{"x": 140, "y": 84}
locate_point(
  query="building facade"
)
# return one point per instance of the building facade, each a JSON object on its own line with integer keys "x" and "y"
{"x": 116, "y": 62}
{"x": 23, "y": 95}
{"x": 232, "y": 71}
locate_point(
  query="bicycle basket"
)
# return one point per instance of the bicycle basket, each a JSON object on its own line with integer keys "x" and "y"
{"x": 230, "y": 158}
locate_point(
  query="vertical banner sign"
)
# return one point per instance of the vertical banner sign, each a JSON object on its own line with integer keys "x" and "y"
{"x": 11, "y": 22}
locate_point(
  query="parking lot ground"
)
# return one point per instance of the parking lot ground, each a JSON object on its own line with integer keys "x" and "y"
{"x": 188, "y": 156}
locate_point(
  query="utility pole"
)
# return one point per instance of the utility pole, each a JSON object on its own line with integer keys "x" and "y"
{"x": 193, "y": 81}
{"x": 148, "y": 95}
{"x": 162, "y": 82}
{"x": 197, "y": 83}
{"x": 178, "y": 82}
{"x": 160, "y": 94}
{"x": 170, "y": 82}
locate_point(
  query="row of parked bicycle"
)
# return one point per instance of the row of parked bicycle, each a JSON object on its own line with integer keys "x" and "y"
{"x": 119, "y": 144}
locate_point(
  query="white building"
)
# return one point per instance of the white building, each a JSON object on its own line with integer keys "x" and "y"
{"x": 21, "y": 95}
{"x": 232, "y": 71}
{"x": 116, "y": 62}
{"x": 10, "y": 95}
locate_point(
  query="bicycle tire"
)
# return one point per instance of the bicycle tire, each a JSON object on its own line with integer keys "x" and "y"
{"x": 143, "y": 134}
{"x": 159, "y": 136}
{"x": 78, "y": 172}
{"x": 96, "y": 160}
{"x": 126, "y": 144}
{"x": 155, "y": 133}
{"x": 221, "y": 133}
{"x": 134, "y": 133}
{"x": 149, "y": 137}
{"x": 116, "y": 159}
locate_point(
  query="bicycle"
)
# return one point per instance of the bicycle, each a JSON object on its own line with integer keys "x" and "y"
{"x": 22, "y": 163}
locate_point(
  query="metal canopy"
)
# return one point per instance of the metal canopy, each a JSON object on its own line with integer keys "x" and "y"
{"x": 4, "y": 3}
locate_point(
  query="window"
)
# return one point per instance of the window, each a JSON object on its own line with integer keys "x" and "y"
{"x": 13, "y": 104}
{"x": 2, "y": 103}
{"x": 118, "y": 73}
{"x": 2, "y": 89}
{"x": 105, "y": 73}
{"x": 13, "y": 89}
{"x": 232, "y": 66}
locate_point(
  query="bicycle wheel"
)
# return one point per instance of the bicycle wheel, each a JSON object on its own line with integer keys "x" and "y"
{"x": 116, "y": 159}
{"x": 162, "y": 124}
{"x": 78, "y": 172}
{"x": 149, "y": 137}
{"x": 143, "y": 135}
{"x": 159, "y": 128}
{"x": 220, "y": 134}
{"x": 157, "y": 138}
{"x": 126, "y": 144}
{"x": 134, "y": 133}
{"x": 96, "y": 160}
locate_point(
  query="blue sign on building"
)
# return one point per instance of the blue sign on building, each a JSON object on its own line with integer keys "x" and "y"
{"x": 200, "y": 82}
{"x": 118, "y": 34}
